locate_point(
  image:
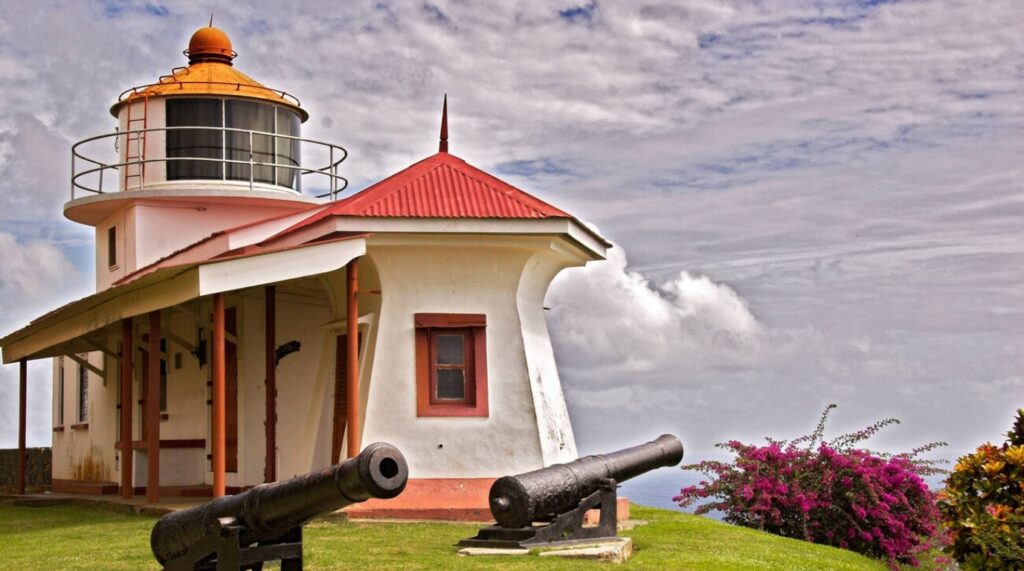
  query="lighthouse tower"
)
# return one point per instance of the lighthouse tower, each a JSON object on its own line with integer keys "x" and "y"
{"x": 202, "y": 149}
{"x": 252, "y": 323}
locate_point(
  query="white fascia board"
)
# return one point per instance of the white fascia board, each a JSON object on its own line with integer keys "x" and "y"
{"x": 545, "y": 226}
{"x": 588, "y": 239}
{"x": 156, "y": 291}
{"x": 273, "y": 267}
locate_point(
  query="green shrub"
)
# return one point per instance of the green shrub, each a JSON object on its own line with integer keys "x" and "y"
{"x": 983, "y": 505}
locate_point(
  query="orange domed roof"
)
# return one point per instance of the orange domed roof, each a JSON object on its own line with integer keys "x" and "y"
{"x": 210, "y": 44}
{"x": 210, "y": 73}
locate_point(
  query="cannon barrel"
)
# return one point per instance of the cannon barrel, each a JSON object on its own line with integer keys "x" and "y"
{"x": 518, "y": 500}
{"x": 271, "y": 510}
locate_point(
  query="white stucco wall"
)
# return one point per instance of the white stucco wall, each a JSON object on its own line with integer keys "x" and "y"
{"x": 553, "y": 425}
{"x": 85, "y": 453}
{"x": 465, "y": 278}
{"x": 150, "y": 230}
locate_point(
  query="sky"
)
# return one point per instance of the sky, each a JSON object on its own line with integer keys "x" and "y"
{"x": 811, "y": 202}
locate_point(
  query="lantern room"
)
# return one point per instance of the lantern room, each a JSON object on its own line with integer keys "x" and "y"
{"x": 204, "y": 127}
{"x": 203, "y": 149}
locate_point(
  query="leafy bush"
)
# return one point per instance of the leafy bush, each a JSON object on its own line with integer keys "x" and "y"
{"x": 983, "y": 505}
{"x": 826, "y": 492}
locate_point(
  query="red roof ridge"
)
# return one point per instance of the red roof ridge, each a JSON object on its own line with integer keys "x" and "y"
{"x": 421, "y": 191}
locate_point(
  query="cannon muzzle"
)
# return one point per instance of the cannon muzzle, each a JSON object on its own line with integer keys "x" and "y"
{"x": 518, "y": 500}
{"x": 270, "y": 511}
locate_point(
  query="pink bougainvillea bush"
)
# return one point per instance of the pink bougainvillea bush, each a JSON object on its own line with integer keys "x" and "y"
{"x": 828, "y": 492}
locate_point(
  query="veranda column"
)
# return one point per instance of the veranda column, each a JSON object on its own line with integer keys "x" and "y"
{"x": 219, "y": 430}
{"x": 22, "y": 410}
{"x": 127, "y": 348}
{"x": 352, "y": 370}
{"x": 153, "y": 411}
{"x": 270, "y": 325}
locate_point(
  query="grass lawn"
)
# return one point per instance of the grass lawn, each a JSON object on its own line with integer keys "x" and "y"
{"x": 74, "y": 537}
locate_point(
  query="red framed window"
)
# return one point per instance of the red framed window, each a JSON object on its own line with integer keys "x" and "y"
{"x": 451, "y": 364}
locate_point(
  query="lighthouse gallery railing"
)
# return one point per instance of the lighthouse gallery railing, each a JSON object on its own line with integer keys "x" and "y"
{"x": 87, "y": 173}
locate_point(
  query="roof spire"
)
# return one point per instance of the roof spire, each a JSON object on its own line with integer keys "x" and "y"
{"x": 443, "y": 147}
{"x": 211, "y": 19}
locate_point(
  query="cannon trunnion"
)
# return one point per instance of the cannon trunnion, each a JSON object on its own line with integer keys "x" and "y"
{"x": 265, "y": 523}
{"x": 547, "y": 506}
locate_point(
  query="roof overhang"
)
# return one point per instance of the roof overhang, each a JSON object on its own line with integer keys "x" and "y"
{"x": 593, "y": 246}
{"x": 50, "y": 335}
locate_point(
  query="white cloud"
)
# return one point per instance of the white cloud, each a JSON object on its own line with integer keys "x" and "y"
{"x": 606, "y": 317}
{"x": 851, "y": 169}
{"x": 36, "y": 277}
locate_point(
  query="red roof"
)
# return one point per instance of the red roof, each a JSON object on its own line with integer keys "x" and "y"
{"x": 440, "y": 186}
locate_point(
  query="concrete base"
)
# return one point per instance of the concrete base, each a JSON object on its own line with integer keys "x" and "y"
{"x": 617, "y": 550}
{"x": 614, "y": 551}
{"x": 474, "y": 551}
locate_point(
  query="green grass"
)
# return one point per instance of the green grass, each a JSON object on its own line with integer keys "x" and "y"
{"x": 74, "y": 537}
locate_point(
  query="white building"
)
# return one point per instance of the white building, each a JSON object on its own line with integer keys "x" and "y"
{"x": 282, "y": 330}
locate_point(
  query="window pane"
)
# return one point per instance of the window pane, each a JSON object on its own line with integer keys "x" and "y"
{"x": 60, "y": 395}
{"x": 163, "y": 383}
{"x": 112, "y": 246}
{"x": 250, "y": 116}
{"x": 203, "y": 143}
{"x": 288, "y": 149}
{"x": 451, "y": 384}
{"x": 451, "y": 350}
{"x": 83, "y": 394}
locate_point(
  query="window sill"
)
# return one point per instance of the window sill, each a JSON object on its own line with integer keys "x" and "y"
{"x": 58, "y": 429}
{"x": 453, "y": 410}
{"x": 80, "y": 426}
{"x": 113, "y": 268}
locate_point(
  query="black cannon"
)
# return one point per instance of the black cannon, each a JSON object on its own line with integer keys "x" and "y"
{"x": 265, "y": 523}
{"x": 547, "y": 506}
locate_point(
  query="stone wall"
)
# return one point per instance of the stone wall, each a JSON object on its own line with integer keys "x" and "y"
{"x": 37, "y": 467}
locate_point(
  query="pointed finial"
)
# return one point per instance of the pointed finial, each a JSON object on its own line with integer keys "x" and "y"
{"x": 211, "y": 19}
{"x": 443, "y": 147}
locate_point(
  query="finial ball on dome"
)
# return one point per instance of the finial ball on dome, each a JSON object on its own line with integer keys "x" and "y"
{"x": 210, "y": 44}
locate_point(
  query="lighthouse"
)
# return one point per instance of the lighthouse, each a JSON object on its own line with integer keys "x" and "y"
{"x": 254, "y": 320}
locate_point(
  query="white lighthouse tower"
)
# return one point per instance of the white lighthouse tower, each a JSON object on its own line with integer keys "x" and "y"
{"x": 251, "y": 323}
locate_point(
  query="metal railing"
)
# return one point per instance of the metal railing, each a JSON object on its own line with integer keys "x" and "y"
{"x": 87, "y": 173}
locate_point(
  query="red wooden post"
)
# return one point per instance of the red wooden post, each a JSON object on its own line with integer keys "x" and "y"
{"x": 352, "y": 330}
{"x": 270, "y": 325}
{"x": 153, "y": 411}
{"x": 127, "y": 349}
{"x": 219, "y": 428}
{"x": 22, "y": 410}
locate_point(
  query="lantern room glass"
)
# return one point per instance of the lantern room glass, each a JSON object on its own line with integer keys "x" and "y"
{"x": 242, "y": 131}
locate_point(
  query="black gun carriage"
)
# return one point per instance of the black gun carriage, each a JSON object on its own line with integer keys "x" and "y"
{"x": 547, "y": 506}
{"x": 265, "y": 523}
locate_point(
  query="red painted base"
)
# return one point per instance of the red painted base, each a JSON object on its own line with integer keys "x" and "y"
{"x": 621, "y": 512}
{"x": 455, "y": 499}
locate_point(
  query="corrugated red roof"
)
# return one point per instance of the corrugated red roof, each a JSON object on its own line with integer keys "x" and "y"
{"x": 440, "y": 186}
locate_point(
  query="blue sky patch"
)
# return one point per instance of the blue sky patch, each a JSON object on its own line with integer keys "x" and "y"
{"x": 579, "y": 14}
{"x": 532, "y": 168}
